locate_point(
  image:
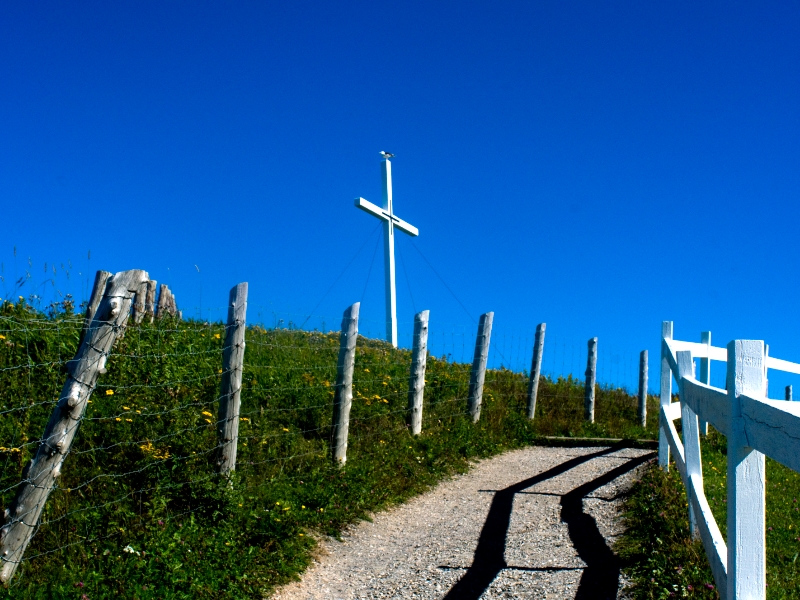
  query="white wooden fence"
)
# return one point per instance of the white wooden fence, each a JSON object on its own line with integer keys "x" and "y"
{"x": 754, "y": 425}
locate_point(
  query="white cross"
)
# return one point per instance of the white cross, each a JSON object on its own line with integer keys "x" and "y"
{"x": 390, "y": 221}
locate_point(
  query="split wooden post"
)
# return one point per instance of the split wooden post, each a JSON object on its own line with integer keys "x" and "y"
{"x": 139, "y": 303}
{"x": 789, "y": 392}
{"x": 591, "y": 381}
{"x": 691, "y": 438}
{"x": 746, "y": 477}
{"x": 665, "y": 397}
{"x": 110, "y": 316}
{"x": 416, "y": 382}
{"x": 150, "y": 300}
{"x": 478, "y": 372}
{"x": 231, "y": 386}
{"x": 98, "y": 289}
{"x": 536, "y": 369}
{"x": 343, "y": 398}
{"x": 643, "y": 388}
{"x": 705, "y": 372}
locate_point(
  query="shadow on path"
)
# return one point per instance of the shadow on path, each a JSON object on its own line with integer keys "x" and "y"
{"x": 600, "y": 578}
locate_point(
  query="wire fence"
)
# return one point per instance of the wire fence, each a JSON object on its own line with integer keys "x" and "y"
{"x": 145, "y": 451}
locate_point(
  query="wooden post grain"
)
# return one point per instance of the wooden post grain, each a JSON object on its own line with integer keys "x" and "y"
{"x": 478, "y": 373}
{"x": 705, "y": 373}
{"x": 643, "y": 388}
{"x": 665, "y": 397}
{"x": 416, "y": 382}
{"x": 139, "y": 303}
{"x": 746, "y": 476}
{"x": 343, "y": 397}
{"x": 110, "y": 315}
{"x": 536, "y": 369}
{"x": 98, "y": 289}
{"x": 789, "y": 392}
{"x": 591, "y": 381}
{"x": 231, "y": 386}
{"x": 150, "y": 300}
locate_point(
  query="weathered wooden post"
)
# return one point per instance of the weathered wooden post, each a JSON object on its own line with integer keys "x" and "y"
{"x": 416, "y": 382}
{"x": 343, "y": 397}
{"x": 139, "y": 303}
{"x": 478, "y": 373}
{"x": 705, "y": 372}
{"x": 98, "y": 289}
{"x": 643, "y": 388}
{"x": 591, "y": 381}
{"x": 231, "y": 386}
{"x": 789, "y": 392}
{"x": 665, "y": 397}
{"x": 150, "y": 300}
{"x": 536, "y": 369}
{"x": 691, "y": 438}
{"x": 746, "y": 477}
{"x": 110, "y": 316}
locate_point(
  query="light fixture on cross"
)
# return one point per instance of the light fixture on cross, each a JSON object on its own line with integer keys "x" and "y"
{"x": 390, "y": 221}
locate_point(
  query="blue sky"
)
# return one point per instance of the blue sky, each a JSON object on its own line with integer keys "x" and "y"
{"x": 597, "y": 166}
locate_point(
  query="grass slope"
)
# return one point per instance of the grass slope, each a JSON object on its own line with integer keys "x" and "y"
{"x": 140, "y": 512}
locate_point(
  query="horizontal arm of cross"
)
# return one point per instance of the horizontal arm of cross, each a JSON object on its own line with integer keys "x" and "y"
{"x": 381, "y": 213}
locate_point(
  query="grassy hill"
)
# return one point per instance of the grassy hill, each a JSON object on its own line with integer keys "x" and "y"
{"x": 141, "y": 513}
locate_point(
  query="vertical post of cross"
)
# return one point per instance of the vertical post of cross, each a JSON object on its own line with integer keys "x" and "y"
{"x": 388, "y": 254}
{"x": 536, "y": 369}
{"x": 746, "y": 476}
{"x": 478, "y": 373}
{"x": 343, "y": 398}
{"x": 416, "y": 382}
{"x": 705, "y": 371}
{"x": 643, "y": 388}
{"x": 591, "y": 381}
{"x": 665, "y": 397}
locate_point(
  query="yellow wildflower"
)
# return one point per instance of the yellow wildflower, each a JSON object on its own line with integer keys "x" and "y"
{"x": 118, "y": 419}
{"x": 206, "y": 413}
{"x": 2, "y": 337}
{"x": 125, "y": 408}
{"x": 216, "y": 336}
{"x": 285, "y": 429}
{"x": 207, "y": 420}
{"x": 109, "y": 392}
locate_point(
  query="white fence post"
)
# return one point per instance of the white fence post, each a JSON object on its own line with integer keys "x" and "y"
{"x": 691, "y": 437}
{"x": 536, "y": 369}
{"x": 666, "y": 396}
{"x": 478, "y": 372}
{"x": 643, "y": 388}
{"x": 746, "y": 477}
{"x": 343, "y": 398}
{"x": 705, "y": 373}
{"x": 416, "y": 382}
{"x": 591, "y": 381}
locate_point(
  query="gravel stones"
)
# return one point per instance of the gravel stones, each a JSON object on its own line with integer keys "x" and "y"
{"x": 532, "y": 523}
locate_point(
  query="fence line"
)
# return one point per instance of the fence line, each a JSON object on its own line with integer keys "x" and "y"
{"x": 755, "y": 427}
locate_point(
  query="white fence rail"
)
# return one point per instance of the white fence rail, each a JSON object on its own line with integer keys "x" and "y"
{"x": 754, "y": 425}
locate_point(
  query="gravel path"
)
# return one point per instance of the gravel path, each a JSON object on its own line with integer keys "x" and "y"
{"x": 532, "y": 523}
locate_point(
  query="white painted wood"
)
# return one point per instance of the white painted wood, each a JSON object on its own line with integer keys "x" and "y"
{"x": 231, "y": 385}
{"x": 343, "y": 398}
{"x": 705, "y": 373}
{"x": 665, "y": 396}
{"x": 643, "y": 388}
{"x": 691, "y": 432}
{"x": 746, "y": 477}
{"x": 390, "y": 222}
{"x": 710, "y": 403}
{"x": 773, "y": 428}
{"x": 672, "y": 438}
{"x": 783, "y": 365}
{"x": 478, "y": 372}
{"x": 672, "y": 410}
{"x": 536, "y": 369}
{"x": 591, "y": 381}
{"x": 714, "y": 544}
{"x": 789, "y": 393}
{"x": 109, "y": 319}
{"x": 416, "y": 382}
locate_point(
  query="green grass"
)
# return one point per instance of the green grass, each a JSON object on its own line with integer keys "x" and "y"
{"x": 140, "y": 512}
{"x": 662, "y": 559}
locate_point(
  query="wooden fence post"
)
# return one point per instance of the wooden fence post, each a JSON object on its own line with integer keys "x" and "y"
{"x": 705, "y": 373}
{"x": 343, "y": 397}
{"x": 643, "y": 388}
{"x": 691, "y": 438}
{"x": 591, "y": 381}
{"x": 98, "y": 289}
{"x": 478, "y": 372}
{"x": 536, "y": 369}
{"x": 746, "y": 477}
{"x": 150, "y": 300}
{"x": 416, "y": 382}
{"x": 231, "y": 386}
{"x": 139, "y": 303}
{"x": 665, "y": 396}
{"x": 789, "y": 392}
{"x": 109, "y": 318}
